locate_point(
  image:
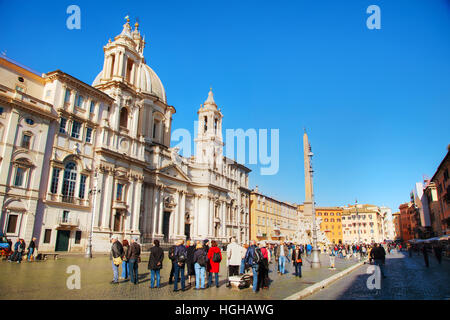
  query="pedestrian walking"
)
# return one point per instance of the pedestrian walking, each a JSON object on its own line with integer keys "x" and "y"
{"x": 116, "y": 258}
{"x": 31, "y": 248}
{"x": 378, "y": 255}
{"x": 282, "y": 253}
{"x": 297, "y": 261}
{"x": 190, "y": 249}
{"x": 125, "y": 263}
{"x": 252, "y": 261}
{"x": 200, "y": 264}
{"x": 214, "y": 257}
{"x": 155, "y": 264}
{"x": 263, "y": 274}
{"x": 180, "y": 263}
{"x": 134, "y": 257}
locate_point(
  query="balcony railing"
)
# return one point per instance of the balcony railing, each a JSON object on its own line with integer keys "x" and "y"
{"x": 69, "y": 222}
{"x": 67, "y": 199}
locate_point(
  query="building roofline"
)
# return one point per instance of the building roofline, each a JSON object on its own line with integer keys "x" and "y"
{"x": 441, "y": 164}
{"x": 66, "y": 76}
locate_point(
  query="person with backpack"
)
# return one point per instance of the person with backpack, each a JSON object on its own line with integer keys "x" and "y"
{"x": 172, "y": 259}
{"x": 200, "y": 263}
{"x": 180, "y": 258}
{"x": 155, "y": 263}
{"x": 214, "y": 257}
{"x": 251, "y": 259}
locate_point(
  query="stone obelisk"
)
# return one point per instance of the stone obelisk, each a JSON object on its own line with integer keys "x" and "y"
{"x": 309, "y": 205}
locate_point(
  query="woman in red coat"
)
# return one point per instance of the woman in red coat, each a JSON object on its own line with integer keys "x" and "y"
{"x": 214, "y": 256}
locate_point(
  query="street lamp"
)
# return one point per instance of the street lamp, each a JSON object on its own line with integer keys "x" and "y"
{"x": 315, "y": 261}
{"x": 94, "y": 191}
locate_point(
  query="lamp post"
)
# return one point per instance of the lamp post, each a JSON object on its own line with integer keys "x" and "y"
{"x": 315, "y": 259}
{"x": 93, "y": 192}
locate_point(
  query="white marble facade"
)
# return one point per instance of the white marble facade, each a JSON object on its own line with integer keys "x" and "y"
{"x": 115, "y": 135}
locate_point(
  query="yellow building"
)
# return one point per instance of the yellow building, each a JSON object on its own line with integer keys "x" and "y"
{"x": 271, "y": 219}
{"x": 331, "y": 222}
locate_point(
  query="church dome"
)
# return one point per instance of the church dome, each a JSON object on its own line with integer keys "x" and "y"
{"x": 148, "y": 82}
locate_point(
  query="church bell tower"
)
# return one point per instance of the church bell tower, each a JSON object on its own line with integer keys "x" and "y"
{"x": 209, "y": 141}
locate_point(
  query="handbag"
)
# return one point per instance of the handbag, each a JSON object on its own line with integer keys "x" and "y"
{"x": 299, "y": 261}
{"x": 117, "y": 261}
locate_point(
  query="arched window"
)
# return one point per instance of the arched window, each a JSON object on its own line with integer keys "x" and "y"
{"x": 124, "y": 117}
{"x": 69, "y": 182}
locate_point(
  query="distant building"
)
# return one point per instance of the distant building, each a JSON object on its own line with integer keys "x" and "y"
{"x": 438, "y": 194}
{"x": 271, "y": 219}
{"x": 331, "y": 223}
{"x": 397, "y": 225}
{"x": 362, "y": 223}
{"x": 408, "y": 221}
{"x": 389, "y": 232}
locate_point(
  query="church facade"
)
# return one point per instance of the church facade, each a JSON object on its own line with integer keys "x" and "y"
{"x": 107, "y": 166}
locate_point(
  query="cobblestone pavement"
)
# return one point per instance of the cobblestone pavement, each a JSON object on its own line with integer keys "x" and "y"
{"x": 47, "y": 280}
{"x": 406, "y": 278}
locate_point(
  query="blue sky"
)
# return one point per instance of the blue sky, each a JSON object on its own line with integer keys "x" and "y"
{"x": 376, "y": 103}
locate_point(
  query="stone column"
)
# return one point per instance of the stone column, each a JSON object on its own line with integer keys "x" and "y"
{"x": 211, "y": 217}
{"x": 161, "y": 209}
{"x": 223, "y": 218}
{"x": 181, "y": 225}
{"x": 155, "y": 209}
{"x": 196, "y": 220}
{"x": 108, "y": 188}
{"x": 120, "y": 71}
{"x": 137, "y": 207}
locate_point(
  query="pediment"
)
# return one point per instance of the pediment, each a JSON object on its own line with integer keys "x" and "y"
{"x": 172, "y": 170}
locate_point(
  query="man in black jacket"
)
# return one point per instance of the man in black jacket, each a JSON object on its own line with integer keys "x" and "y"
{"x": 155, "y": 263}
{"x": 378, "y": 254}
{"x": 134, "y": 254}
{"x": 116, "y": 252}
{"x": 31, "y": 247}
{"x": 172, "y": 259}
{"x": 180, "y": 262}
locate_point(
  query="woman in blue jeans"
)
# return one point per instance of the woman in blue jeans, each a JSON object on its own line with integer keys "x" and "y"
{"x": 200, "y": 262}
{"x": 125, "y": 263}
{"x": 297, "y": 261}
{"x": 155, "y": 264}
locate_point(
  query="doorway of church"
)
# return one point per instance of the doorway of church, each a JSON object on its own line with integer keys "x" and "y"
{"x": 187, "y": 231}
{"x": 166, "y": 223}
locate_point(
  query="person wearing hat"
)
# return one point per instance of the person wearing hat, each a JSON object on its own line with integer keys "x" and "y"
{"x": 116, "y": 252}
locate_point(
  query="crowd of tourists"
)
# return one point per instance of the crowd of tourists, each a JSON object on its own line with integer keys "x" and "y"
{"x": 20, "y": 251}
{"x": 199, "y": 261}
